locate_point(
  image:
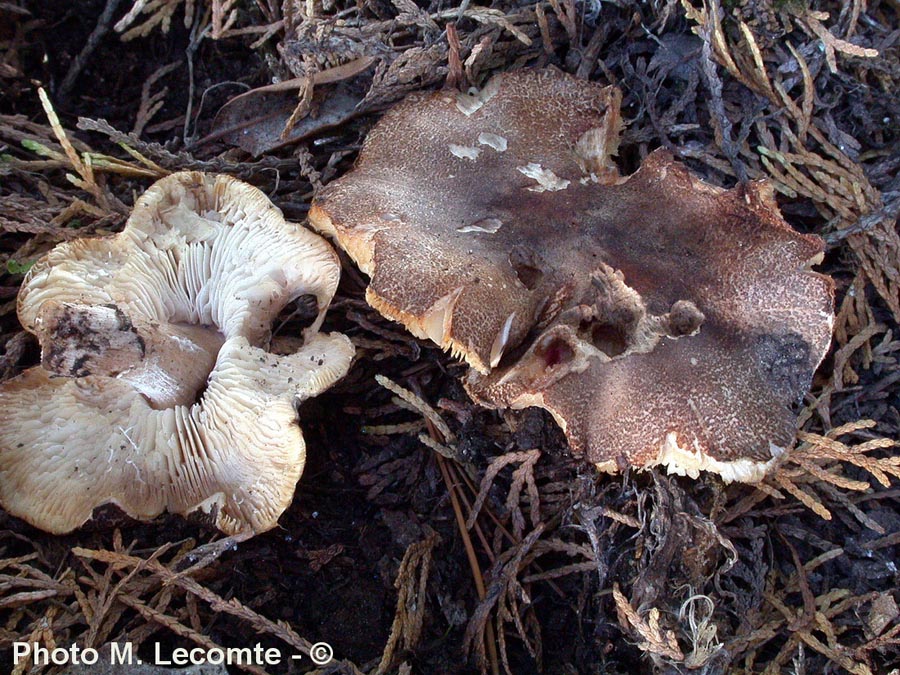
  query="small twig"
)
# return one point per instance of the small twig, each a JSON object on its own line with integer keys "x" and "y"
{"x": 805, "y": 620}
{"x": 197, "y": 36}
{"x": 100, "y": 30}
{"x": 473, "y": 561}
{"x": 455, "y": 75}
{"x": 440, "y": 433}
{"x": 720, "y": 119}
{"x": 458, "y": 478}
{"x": 151, "y": 103}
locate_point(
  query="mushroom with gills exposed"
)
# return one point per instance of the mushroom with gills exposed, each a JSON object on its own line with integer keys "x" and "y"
{"x": 659, "y": 319}
{"x": 157, "y": 390}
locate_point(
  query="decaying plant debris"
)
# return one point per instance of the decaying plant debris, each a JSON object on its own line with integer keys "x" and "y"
{"x": 429, "y": 535}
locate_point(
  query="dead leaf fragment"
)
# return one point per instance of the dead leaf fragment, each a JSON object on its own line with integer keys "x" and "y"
{"x": 651, "y": 637}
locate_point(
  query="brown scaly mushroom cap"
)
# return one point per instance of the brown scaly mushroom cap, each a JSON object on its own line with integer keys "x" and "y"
{"x": 660, "y": 320}
{"x": 156, "y": 390}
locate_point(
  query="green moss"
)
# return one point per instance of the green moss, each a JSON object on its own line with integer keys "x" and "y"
{"x": 15, "y": 267}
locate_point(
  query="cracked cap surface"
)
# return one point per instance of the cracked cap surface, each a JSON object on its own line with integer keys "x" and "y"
{"x": 659, "y": 319}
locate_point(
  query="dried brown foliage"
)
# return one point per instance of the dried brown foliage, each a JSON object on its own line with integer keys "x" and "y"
{"x": 119, "y": 595}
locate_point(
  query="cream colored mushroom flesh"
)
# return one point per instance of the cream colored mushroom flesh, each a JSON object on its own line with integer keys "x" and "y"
{"x": 157, "y": 390}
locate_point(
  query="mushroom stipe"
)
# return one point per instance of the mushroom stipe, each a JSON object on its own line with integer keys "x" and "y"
{"x": 156, "y": 390}
{"x": 659, "y": 319}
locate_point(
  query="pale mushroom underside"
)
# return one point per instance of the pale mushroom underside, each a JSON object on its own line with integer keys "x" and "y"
{"x": 237, "y": 453}
{"x": 204, "y": 415}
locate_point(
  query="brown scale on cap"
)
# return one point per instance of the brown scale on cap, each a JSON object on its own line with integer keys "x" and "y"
{"x": 659, "y": 319}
